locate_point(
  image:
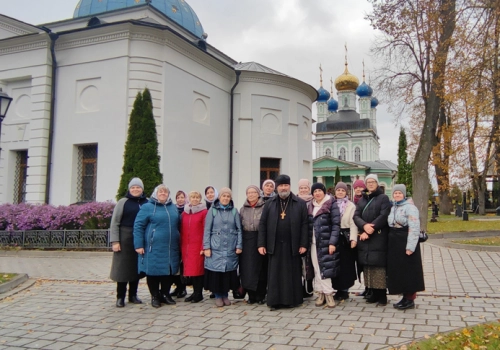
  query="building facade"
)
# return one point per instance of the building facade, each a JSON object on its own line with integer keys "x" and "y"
{"x": 74, "y": 82}
{"x": 346, "y": 137}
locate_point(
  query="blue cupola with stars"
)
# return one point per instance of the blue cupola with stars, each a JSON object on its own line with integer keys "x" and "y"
{"x": 177, "y": 10}
{"x": 373, "y": 102}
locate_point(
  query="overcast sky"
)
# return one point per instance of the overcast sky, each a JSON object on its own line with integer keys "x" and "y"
{"x": 290, "y": 36}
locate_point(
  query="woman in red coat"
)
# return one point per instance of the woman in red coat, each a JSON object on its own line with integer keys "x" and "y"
{"x": 192, "y": 224}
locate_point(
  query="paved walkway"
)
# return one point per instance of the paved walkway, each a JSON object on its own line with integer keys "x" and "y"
{"x": 71, "y": 306}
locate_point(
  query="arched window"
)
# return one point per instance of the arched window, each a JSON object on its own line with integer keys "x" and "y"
{"x": 328, "y": 152}
{"x": 357, "y": 154}
{"x": 342, "y": 154}
{"x": 346, "y": 103}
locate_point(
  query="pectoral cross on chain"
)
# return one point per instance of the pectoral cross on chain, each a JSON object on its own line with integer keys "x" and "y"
{"x": 283, "y": 216}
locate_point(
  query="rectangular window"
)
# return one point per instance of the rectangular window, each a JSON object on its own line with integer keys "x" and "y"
{"x": 21, "y": 177}
{"x": 269, "y": 169}
{"x": 87, "y": 173}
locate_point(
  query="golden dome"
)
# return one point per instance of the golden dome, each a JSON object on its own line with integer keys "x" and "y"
{"x": 346, "y": 81}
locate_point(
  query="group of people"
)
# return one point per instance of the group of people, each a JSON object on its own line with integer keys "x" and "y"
{"x": 276, "y": 248}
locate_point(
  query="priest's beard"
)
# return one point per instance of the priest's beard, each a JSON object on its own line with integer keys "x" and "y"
{"x": 284, "y": 194}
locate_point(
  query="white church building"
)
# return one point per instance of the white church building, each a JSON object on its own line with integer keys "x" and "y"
{"x": 73, "y": 82}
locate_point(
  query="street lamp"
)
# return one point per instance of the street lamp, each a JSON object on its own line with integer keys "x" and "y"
{"x": 5, "y": 101}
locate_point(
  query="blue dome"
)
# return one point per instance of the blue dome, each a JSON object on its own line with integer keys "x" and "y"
{"x": 177, "y": 10}
{"x": 333, "y": 105}
{"x": 323, "y": 95}
{"x": 374, "y": 102}
{"x": 364, "y": 90}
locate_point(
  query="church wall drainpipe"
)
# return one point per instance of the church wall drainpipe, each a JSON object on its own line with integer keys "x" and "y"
{"x": 231, "y": 131}
{"x": 53, "y": 38}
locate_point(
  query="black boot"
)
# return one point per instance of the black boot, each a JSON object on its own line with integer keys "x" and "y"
{"x": 252, "y": 299}
{"x": 155, "y": 301}
{"x": 373, "y": 297}
{"x": 189, "y": 298}
{"x": 197, "y": 289}
{"x": 407, "y": 304}
{"x": 399, "y": 303}
{"x": 134, "y": 299}
{"x": 167, "y": 299}
{"x": 382, "y": 299}
{"x": 368, "y": 293}
{"x": 120, "y": 302}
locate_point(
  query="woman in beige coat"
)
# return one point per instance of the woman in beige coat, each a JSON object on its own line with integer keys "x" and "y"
{"x": 347, "y": 242}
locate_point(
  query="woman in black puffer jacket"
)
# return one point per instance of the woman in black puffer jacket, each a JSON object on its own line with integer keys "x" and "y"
{"x": 324, "y": 230}
{"x": 371, "y": 218}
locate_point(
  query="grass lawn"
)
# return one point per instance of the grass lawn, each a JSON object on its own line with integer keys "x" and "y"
{"x": 493, "y": 241}
{"x": 451, "y": 223}
{"x": 6, "y": 277}
{"x": 483, "y": 337}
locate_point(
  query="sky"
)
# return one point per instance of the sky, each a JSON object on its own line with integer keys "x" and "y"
{"x": 291, "y": 36}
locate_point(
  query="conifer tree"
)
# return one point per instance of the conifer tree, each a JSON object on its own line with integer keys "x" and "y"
{"x": 141, "y": 157}
{"x": 404, "y": 166}
{"x": 337, "y": 176}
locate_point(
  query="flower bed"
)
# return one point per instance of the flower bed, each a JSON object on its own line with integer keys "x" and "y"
{"x": 86, "y": 216}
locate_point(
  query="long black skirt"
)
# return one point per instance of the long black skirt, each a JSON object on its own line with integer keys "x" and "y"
{"x": 284, "y": 277}
{"x": 221, "y": 282}
{"x": 124, "y": 263}
{"x": 404, "y": 272}
{"x": 347, "y": 273}
{"x": 253, "y": 265}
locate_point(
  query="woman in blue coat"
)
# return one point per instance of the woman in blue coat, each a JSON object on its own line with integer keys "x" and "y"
{"x": 222, "y": 242}
{"x": 156, "y": 240}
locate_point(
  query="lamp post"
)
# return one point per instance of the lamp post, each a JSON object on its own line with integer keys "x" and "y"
{"x": 5, "y": 101}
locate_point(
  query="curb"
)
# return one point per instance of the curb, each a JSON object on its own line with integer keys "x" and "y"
{"x": 54, "y": 254}
{"x": 474, "y": 247}
{"x": 452, "y": 235}
{"x": 16, "y": 281}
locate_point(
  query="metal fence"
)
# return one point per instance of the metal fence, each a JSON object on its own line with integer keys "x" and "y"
{"x": 57, "y": 239}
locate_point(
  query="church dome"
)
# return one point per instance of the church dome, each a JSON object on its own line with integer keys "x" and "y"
{"x": 374, "y": 102}
{"x": 333, "y": 105}
{"x": 323, "y": 95}
{"x": 177, "y": 10}
{"x": 346, "y": 81}
{"x": 364, "y": 90}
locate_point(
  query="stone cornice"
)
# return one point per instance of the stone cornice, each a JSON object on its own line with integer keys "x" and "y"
{"x": 14, "y": 29}
{"x": 23, "y": 47}
{"x": 62, "y": 45}
{"x": 153, "y": 35}
{"x": 287, "y": 82}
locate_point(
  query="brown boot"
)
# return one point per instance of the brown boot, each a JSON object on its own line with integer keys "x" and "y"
{"x": 321, "y": 300}
{"x": 330, "y": 302}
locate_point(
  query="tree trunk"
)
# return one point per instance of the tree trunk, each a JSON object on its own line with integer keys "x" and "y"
{"x": 481, "y": 189}
{"x": 432, "y": 108}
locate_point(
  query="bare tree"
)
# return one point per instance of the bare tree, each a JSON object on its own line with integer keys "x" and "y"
{"x": 415, "y": 40}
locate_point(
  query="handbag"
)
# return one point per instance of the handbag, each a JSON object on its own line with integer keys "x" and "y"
{"x": 423, "y": 236}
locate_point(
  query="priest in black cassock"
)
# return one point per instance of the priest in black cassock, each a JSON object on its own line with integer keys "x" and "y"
{"x": 283, "y": 236}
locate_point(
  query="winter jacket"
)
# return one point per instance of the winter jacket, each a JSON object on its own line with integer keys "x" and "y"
{"x": 405, "y": 214}
{"x": 124, "y": 214}
{"x": 223, "y": 236}
{"x": 156, "y": 229}
{"x": 269, "y": 222}
{"x": 325, "y": 226}
{"x": 192, "y": 229}
{"x": 250, "y": 216}
{"x": 373, "y": 209}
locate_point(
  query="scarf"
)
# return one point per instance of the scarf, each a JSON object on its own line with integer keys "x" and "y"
{"x": 193, "y": 209}
{"x": 317, "y": 206}
{"x": 306, "y": 197}
{"x": 357, "y": 198}
{"x": 342, "y": 203}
